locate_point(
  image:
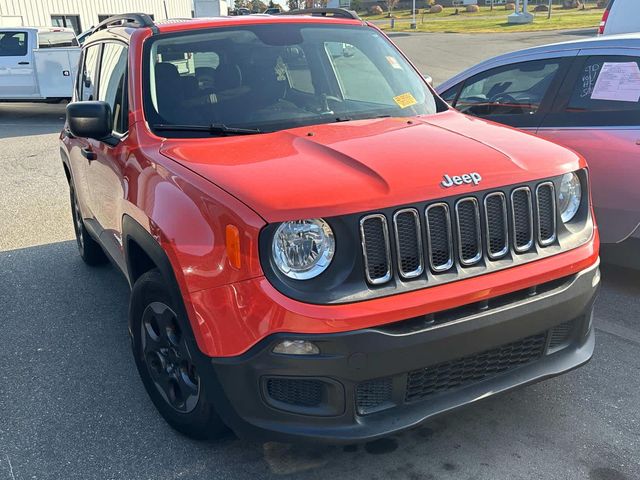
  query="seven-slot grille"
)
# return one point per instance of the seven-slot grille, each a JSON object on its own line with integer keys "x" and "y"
{"x": 473, "y": 229}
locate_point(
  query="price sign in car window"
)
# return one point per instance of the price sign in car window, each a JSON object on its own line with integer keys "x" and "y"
{"x": 618, "y": 81}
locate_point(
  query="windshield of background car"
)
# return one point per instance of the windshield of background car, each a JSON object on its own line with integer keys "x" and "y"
{"x": 278, "y": 76}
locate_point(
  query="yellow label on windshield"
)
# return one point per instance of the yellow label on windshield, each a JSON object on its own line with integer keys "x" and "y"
{"x": 405, "y": 100}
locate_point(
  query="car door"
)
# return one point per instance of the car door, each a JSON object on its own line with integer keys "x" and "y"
{"x": 517, "y": 94}
{"x": 78, "y": 148}
{"x": 17, "y": 78}
{"x": 597, "y": 114}
{"x": 105, "y": 171}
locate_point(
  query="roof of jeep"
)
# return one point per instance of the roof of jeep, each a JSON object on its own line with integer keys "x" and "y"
{"x": 125, "y": 30}
{"x": 178, "y": 24}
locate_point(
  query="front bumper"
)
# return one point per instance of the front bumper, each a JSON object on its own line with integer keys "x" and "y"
{"x": 373, "y": 382}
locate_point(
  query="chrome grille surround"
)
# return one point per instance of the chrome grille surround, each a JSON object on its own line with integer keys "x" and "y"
{"x": 465, "y": 258}
{"x": 544, "y": 242}
{"x": 399, "y": 247}
{"x": 470, "y": 231}
{"x": 376, "y": 279}
{"x": 439, "y": 266}
{"x": 505, "y": 225}
{"x": 521, "y": 247}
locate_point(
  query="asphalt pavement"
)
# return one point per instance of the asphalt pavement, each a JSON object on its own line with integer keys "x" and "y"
{"x": 72, "y": 405}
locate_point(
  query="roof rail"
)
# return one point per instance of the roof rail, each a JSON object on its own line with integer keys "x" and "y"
{"x": 324, "y": 12}
{"x": 135, "y": 20}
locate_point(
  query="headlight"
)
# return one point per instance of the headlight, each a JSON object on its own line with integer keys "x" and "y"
{"x": 303, "y": 249}
{"x": 569, "y": 196}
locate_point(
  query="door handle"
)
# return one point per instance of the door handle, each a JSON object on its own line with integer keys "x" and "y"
{"x": 88, "y": 153}
{"x": 23, "y": 63}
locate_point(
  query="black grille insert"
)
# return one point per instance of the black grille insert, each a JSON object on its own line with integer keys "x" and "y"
{"x": 373, "y": 396}
{"x": 561, "y": 334}
{"x": 375, "y": 245}
{"x": 298, "y": 392}
{"x": 546, "y": 203}
{"x": 468, "y": 226}
{"x": 495, "y": 210}
{"x": 474, "y": 368}
{"x": 522, "y": 219}
{"x": 408, "y": 236}
{"x": 439, "y": 237}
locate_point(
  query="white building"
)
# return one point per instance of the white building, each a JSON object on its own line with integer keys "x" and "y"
{"x": 83, "y": 14}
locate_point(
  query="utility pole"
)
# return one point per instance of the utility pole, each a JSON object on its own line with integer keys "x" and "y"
{"x": 413, "y": 13}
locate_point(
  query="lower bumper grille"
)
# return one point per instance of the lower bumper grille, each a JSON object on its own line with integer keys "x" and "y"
{"x": 474, "y": 368}
{"x": 298, "y": 392}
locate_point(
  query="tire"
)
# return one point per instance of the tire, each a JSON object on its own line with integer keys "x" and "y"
{"x": 90, "y": 251}
{"x": 166, "y": 358}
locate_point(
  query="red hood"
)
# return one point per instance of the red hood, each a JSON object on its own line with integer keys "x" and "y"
{"x": 340, "y": 168}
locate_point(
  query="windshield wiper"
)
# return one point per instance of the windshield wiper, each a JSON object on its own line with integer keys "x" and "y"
{"x": 213, "y": 128}
{"x": 356, "y": 117}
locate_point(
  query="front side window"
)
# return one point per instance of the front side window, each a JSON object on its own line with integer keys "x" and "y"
{"x": 112, "y": 86}
{"x": 514, "y": 90}
{"x": 272, "y": 77}
{"x": 88, "y": 79}
{"x": 13, "y": 44}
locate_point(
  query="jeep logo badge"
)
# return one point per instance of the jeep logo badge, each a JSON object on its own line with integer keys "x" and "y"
{"x": 472, "y": 177}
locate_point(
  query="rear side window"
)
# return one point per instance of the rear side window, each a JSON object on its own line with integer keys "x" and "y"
{"x": 88, "y": 76}
{"x": 57, "y": 39}
{"x": 513, "y": 90}
{"x": 607, "y": 84}
{"x": 112, "y": 86}
{"x": 13, "y": 44}
{"x": 602, "y": 90}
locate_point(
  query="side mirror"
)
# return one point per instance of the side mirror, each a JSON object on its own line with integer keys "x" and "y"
{"x": 90, "y": 119}
{"x": 428, "y": 79}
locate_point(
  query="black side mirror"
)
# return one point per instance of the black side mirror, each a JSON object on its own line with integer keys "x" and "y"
{"x": 90, "y": 119}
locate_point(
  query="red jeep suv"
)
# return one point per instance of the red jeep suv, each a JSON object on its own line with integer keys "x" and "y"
{"x": 318, "y": 246}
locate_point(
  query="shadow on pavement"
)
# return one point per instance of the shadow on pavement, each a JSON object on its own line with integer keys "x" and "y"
{"x": 24, "y": 119}
{"x": 72, "y": 405}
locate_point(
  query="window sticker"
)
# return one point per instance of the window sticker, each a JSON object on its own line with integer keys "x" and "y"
{"x": 405, "y": 100}
{"x": 619, "y": 81}
{"x": 393, "y": 62}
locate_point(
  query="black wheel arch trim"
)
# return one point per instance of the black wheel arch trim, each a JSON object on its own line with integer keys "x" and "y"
{"x": 133, "y": 232}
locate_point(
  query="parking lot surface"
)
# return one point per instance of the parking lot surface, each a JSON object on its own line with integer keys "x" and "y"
{"x": 72, "y": 405}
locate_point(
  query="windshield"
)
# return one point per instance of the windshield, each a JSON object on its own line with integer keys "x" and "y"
{"x": 277, "y": 76}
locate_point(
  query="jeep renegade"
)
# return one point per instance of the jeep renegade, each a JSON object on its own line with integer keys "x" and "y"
{"x": 318, "y": 247}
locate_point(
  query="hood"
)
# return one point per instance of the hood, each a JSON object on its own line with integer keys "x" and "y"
{"x": 349, "y": 167}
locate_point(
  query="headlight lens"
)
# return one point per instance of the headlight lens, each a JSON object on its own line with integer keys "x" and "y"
{"x": 303, "y": 249}
{"x": 569, "y": 196}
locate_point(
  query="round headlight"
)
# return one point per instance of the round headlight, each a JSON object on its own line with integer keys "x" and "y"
{"x": 303, "y": 249}
{"x": 569, "y": 196}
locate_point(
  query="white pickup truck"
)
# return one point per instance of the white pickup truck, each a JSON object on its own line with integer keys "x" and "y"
{"x": 37, "y": 63}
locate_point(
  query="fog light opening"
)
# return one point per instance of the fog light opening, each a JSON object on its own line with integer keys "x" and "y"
{"x": 296, "y": 347}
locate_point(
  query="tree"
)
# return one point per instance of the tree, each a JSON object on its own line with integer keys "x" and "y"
{"x": 391, "y": 4}
{"x": 271, "y": 4}
{"x": 356, "y": 5}
{"x": 294, "y": 4}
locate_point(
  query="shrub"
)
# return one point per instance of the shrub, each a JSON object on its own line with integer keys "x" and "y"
{"x": 510, "y": 6}
{"x": 602, "y": 3}
{"x": 541, "y": 8}
{"x": 436, "y": 9}
{"x": 473, "y": 8}
{"x": 375, "y": 10}
{"x": 571, "y": 4}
